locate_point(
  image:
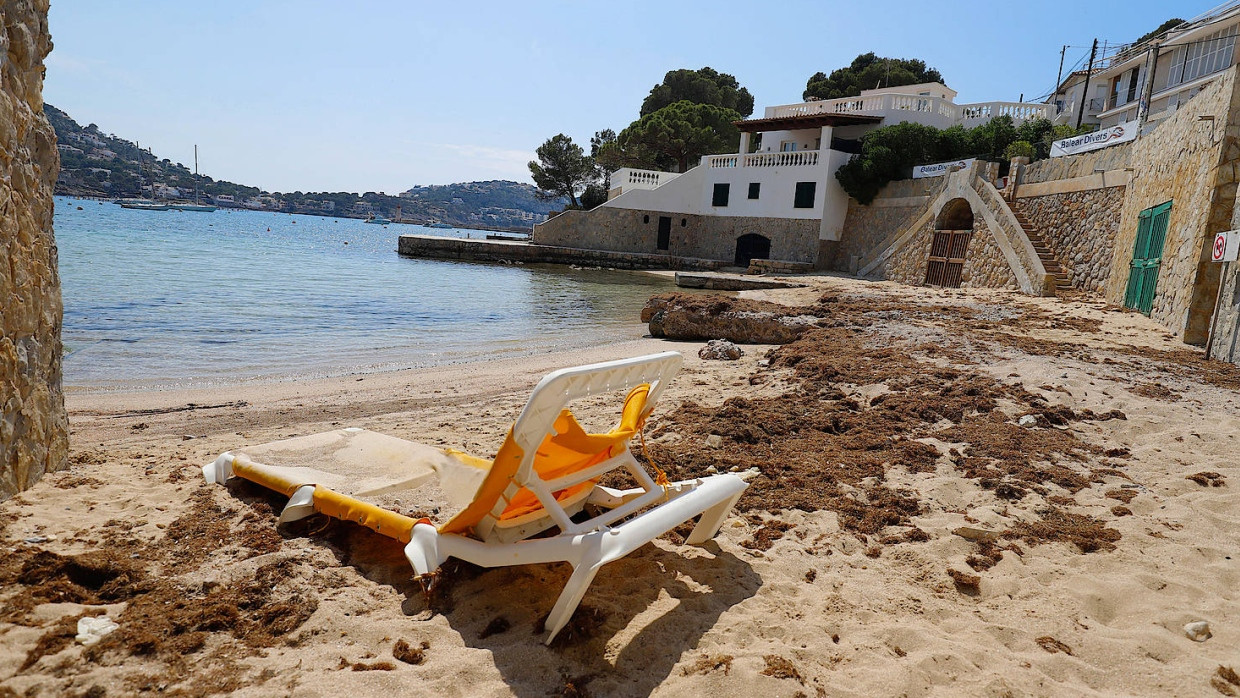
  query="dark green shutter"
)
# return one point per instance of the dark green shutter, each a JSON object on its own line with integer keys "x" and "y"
{"x": 720, "y": 196}
{"x": 1147, "y": 257}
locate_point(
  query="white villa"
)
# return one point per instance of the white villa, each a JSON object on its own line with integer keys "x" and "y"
{"x": 1182, "y": 61}
{"x": 777, "y": 197}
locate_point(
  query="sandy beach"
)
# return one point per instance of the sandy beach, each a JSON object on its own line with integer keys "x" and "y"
{"x": 1093, "y": 530}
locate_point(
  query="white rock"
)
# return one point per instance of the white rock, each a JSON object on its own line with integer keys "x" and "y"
{"x": 1198, "y": 631}
{"x": 91, "y": 629}
{"x": 1027, "y": 421}
{"x": 714, "y": 441}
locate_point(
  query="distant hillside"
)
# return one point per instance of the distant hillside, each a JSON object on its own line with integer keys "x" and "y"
{"x": 93, "y": 163}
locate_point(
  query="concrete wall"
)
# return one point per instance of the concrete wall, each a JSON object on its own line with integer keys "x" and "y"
{"x": 1193, "y": 164}
{"x": 693, "y": 235}
{"x": 1080, "y": 228}
{"x": 33, "y": 425}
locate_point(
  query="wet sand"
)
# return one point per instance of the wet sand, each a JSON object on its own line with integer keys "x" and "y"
{"x": 839, "y": 574}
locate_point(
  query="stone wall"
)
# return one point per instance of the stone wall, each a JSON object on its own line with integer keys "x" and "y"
{"x": 1193, "y": 164}
{"x": 898, "y": 205}
{"x": 33, "y": 425}
{"x": 693, "y": 235}
{"x": 984, "y": 263}
{"x": 907, "y": 265}
{"x": 1079, "y": 228}
{"x": 1116, "y": 157}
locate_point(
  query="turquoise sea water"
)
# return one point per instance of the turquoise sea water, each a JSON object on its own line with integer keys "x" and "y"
{"x": 163, "y": 299}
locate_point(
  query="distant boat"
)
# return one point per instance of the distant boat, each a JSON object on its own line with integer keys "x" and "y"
{"x": 380, "y": 220}
{"x": 197, "y": 205}
{"x": 440, "y": 225}
{"x": 142, "y": 205}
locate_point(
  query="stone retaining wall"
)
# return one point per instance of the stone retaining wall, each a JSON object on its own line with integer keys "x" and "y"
{"x": 33, "y": 426}
{"x": 1192, "y": 163}
{"x": 692, "y": 235}
{"x": 897, "y": 205}
{"x": 1080, "y": 229}
{"x": 1116, "y": 157}
{"x": 984, "y": 263}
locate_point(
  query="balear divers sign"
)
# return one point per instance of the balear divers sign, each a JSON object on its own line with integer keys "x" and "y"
{"x": 1093, "y": 141}
{"x": 940, "y": 169}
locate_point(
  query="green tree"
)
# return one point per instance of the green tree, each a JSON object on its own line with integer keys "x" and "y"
{"x": 562, "y": 169}
{"x": 867, "y": 72}
{"x": 705, "y": 86}
{"x": 676, "y": 135}
{"x": 1169, "y": 24}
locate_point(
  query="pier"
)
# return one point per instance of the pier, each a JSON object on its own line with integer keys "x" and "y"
{"x": 436, "y": 247}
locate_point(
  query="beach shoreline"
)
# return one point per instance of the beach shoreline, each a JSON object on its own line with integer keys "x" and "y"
{"x": 790, "y": 597}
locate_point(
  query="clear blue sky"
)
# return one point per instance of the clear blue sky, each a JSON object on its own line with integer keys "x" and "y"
{"x": 379, "y": 96}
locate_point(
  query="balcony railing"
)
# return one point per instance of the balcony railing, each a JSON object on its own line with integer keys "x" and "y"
{"x": 793, "y": 158}
{"x": 629, "y": 178}
{"x": 936, "y": 109}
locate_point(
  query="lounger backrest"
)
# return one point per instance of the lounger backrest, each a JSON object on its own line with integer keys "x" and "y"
{"x": 514, "y": 464}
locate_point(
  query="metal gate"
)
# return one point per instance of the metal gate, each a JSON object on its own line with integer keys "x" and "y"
{"x": 1147, "y": 257}
{"x": 947, "y": 257}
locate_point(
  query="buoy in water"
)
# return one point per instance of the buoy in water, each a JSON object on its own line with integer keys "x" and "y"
{"x": 269, "y": 230}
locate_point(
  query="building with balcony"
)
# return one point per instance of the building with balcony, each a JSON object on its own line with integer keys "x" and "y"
{"x": 777, "y": 196}
{"x": 1177, "y": 64}
{"x": 1066, "y": 105}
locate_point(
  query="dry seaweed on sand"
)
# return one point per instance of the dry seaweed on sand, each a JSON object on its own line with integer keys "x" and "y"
{"x": 818, "y": 447}
{"x": 781, "y": 668}
{"x": 1052, "y": 645}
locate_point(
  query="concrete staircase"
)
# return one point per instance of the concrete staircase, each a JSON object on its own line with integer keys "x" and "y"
{"x": 1062, "y": 282}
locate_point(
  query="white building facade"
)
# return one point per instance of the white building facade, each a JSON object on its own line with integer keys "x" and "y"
{"x": 777, "y": 197}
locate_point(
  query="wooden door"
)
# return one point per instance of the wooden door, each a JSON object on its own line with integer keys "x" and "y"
{"x": 947, "y": 252}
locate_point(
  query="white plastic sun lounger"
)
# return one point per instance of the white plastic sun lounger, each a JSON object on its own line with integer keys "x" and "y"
{"x": 545, "y": 474}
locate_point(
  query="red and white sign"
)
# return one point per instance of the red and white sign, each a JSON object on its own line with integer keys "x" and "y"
{"x": 1226, "y": 246}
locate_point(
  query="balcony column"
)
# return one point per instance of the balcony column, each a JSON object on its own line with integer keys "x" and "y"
{"x": 825, "y": 142}
{"x": 745, "y": 135}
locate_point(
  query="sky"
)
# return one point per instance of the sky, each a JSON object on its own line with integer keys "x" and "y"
{"x": 379, "y": 96}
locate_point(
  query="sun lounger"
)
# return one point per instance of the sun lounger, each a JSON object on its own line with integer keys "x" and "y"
{"x": 544, "y": 476}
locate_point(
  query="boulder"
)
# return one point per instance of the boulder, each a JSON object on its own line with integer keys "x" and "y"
{"x": 720, "y": 350}
{"x": 739, "y": 320}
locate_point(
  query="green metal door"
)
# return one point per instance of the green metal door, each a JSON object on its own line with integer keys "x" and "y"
{"x": 1147, "y": 257}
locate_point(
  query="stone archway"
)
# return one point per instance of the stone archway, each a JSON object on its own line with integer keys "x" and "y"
{"x": 953, "y": 229}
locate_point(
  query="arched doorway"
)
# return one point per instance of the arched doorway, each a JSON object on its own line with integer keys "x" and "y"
{"x": 752, "y": 246}
{"x": 953, "y": 228}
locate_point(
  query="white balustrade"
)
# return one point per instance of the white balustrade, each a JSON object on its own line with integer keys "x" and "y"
{"x": 938, "y": 109}
{"x": 630, "y": 178}
{"x": 793, "y": 158}
{"x": 723, "y": 160}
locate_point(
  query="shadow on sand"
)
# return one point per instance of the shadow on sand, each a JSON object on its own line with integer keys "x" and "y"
{"x": 637, "y": 620}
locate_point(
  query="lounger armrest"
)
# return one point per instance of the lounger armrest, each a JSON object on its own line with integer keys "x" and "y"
{"x": 423, "y": 550}
{"x": 220, "y": 469}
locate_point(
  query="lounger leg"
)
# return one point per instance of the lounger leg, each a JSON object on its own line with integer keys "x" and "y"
{"x": 569, "y": 599}
{"x": 300, "y": 505}
{"x": 711, "y": 520}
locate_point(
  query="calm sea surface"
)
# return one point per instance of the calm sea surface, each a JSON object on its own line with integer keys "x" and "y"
{"x": 163, "y": 299}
